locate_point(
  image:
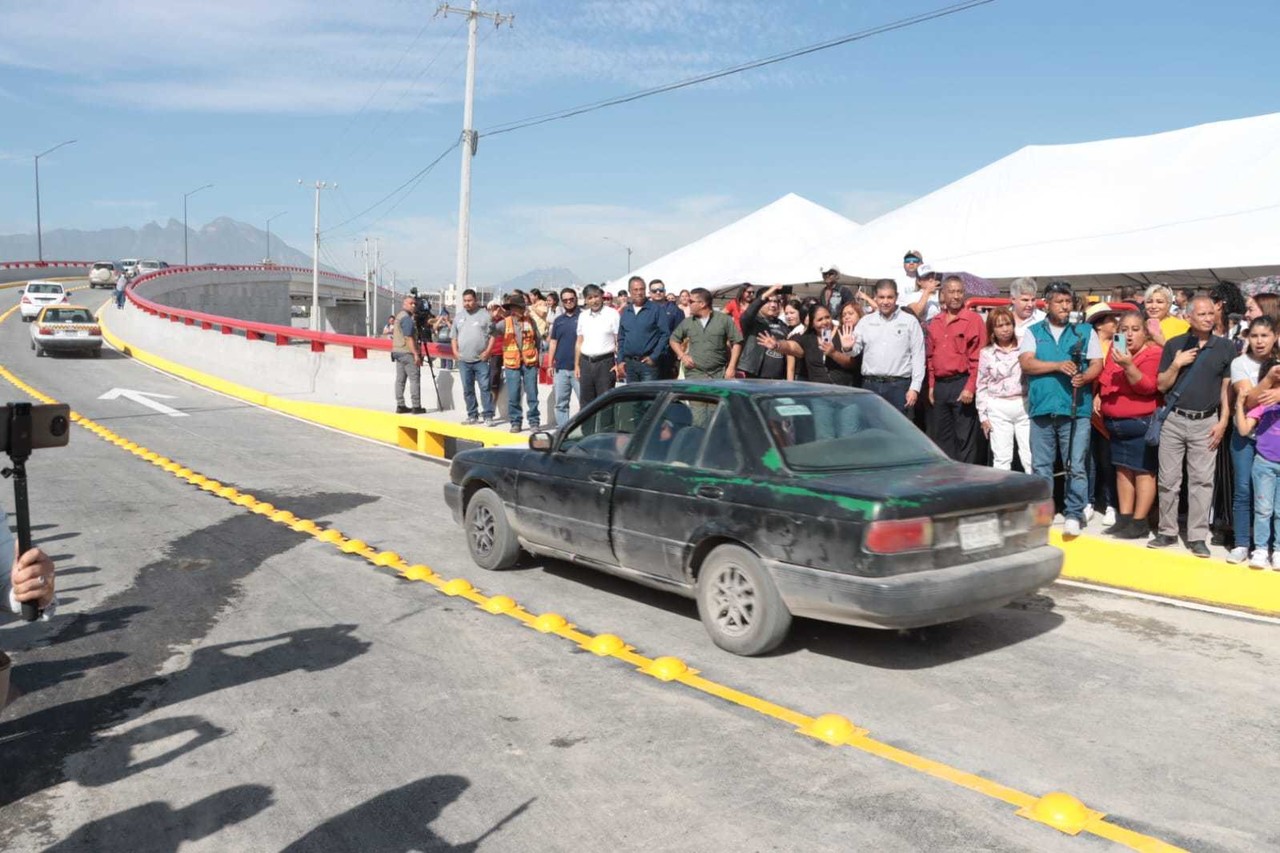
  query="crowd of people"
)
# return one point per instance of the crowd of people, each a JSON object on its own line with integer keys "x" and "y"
{"x": 1150, "y": 409}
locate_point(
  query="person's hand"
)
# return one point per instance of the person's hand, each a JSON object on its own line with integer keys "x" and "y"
{"x": 1078, "y": 381}
{"x": 646, "y": 361}
{"x": 577, "y": 373}
{"x": 1269, "y": 397}
{"x": 729, "y": 374}
{"x": 1097, "y": 404}
{"x": 1216, "y": 433}
{"x": 687, "y": 361}
{"x": 767, "y": 341}
{"x": 865, "y": 297}
{"x": 32, "y": 578}
{"x": 966, "y": 397}
{"x": 1068, "y": 368}
{"x": 826, "y": 346}
{"x": 931, "y": 400}
{"x": 1154, "y": 330}
{"x": 620, "y": 371}
{"x": 847, "y": 337}
{"x": 912, "y": 397}
{"x": 986, "y": 428}
{"x": 1274, "y": 373}
{"x": 1184, "y": 357}
{"x": 417, "y": 359}
{"x": 770, "y": 292}
{"x": 1124, "y": 359}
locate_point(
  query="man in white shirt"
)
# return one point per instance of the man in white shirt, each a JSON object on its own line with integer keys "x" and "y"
{"x": 923, "y": 301}
{"x": 1022, "y": 299}
{"x": 892, "y": 345}
{"x": 597, "y": 347}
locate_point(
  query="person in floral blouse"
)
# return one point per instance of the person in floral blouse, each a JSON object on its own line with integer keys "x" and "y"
{"x": 1001, "y": 395}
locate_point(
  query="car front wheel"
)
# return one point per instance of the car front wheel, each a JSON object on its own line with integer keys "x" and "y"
{"x": 739, "y": 605}
{"x": 490, "y": 539}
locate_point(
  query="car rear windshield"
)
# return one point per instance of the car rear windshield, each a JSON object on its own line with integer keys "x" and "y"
{"x": 843, "y": 431}
{"x": 44, "y": 288}
{"x": 67, "y": 315}
{"x": 104, "y": 266}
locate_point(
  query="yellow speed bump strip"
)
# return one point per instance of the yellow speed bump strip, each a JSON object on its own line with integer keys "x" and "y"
{"x": 1056, "y": 809}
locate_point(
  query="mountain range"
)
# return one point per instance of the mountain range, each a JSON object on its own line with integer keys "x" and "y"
{"x": 223, "y": 241}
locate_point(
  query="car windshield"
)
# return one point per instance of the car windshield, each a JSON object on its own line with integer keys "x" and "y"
{"x": 843, "y": 431}
{"x": 67, "y": 315}
{"x": 43, "y": 287}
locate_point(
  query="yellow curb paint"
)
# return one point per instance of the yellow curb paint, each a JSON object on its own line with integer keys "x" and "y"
{"x": 1174, "y": 575}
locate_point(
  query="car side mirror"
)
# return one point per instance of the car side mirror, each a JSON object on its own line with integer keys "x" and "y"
{"x": 541, "y": 441}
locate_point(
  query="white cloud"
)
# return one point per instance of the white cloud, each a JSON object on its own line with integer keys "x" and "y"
{"x": 305, "y": 56}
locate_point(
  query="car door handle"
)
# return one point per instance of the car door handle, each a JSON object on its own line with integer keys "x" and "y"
{"x": 600, "y": 477}
{"x": 713, "y": 492}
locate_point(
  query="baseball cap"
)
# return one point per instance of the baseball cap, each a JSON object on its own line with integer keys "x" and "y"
{"x": 912, "y": 255}
{"x": 831, "y": 268}
{"x": 924, "y": 271}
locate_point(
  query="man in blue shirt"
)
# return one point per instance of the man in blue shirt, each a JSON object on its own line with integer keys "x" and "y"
{"x": 674, "y": 316}
{"x": 564, "y": 340}
{"x": 642, "y": 335}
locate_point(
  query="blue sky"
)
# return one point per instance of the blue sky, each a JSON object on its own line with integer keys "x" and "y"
{"x": 250, "y": 96}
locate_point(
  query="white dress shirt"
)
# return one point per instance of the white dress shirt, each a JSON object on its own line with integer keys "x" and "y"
{"x": 598, "y": 331}
{"x": 892, "y": 346}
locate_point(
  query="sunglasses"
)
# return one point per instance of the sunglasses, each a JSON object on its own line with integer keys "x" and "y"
{"x": 1058, "y": 287}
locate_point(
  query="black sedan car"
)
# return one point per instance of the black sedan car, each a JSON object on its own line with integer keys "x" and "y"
{"x": 763, "y": 501}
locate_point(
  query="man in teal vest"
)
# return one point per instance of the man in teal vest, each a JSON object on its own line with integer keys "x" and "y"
{"x": 1061, "y": 360}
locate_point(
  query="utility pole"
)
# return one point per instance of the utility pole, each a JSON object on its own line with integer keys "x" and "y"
{"x": 377, "y": 272}
{"x": 315, "y": 259}
{"x": 469, "y": 136}
{"x": 369, "y": 316}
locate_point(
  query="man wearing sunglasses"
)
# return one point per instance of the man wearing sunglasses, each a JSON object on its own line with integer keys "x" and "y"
{"x": 671, "y": 313}
{"x": 1061, "y": 360}
{"x": 562, "y": 355}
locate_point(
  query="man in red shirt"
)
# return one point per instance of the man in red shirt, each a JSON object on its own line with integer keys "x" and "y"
{"x": 955, "y": 338}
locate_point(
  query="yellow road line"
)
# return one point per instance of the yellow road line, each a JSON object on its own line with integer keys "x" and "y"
{"x": 1058, "y": 810}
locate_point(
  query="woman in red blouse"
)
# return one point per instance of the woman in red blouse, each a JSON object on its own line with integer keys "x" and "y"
{"x": 744, "y": 299}
{"x": 1127, "y": 398}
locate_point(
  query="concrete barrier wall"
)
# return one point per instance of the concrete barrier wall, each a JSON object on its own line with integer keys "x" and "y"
{"x": 258, "y": 295}
{"x": 332, "y": 376}
{"x": 12, "y": 274}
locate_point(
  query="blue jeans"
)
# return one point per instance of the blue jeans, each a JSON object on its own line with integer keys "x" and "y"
{"x": 638, "y": 371}
{"x": 1266, "y": 480}
{"x": 1050, "y": 439}
{"x": 564, "y": 382}
{"x": 518, "y": 379}
{"x": 472, "y": 373}
{"x": 1242, "y": 453}
{"x": 119, "y": 298}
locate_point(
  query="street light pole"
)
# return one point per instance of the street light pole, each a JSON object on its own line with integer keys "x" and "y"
{"x": 315, "y": 259}
{"x": 185, "y": 196}
{"x": 628, "y": 248}
{"x": 39, "y": 236}
{"x": 269, "y": 218}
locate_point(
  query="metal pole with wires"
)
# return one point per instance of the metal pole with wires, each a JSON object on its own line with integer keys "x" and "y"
{"x": 469, "y": 136}
{"x": 316, "y": 325}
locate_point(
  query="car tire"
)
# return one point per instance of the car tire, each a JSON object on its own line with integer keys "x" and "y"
{"x": 39, "y": 352}
{"x": 490, "y": 539}
{"x": 739, "y": 604}
{"x": 96, "y": 353}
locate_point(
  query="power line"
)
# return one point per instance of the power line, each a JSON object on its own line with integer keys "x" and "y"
{"x": 417, "y": 177}
{"x": 570, "y": 112}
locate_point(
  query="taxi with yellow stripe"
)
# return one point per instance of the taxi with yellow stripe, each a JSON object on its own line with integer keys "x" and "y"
{"x": 66, "y": 328}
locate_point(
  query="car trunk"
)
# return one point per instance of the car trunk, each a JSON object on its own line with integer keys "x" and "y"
{"x": 977, "y": 512}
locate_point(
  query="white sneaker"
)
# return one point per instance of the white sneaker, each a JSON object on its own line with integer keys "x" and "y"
{"x": 1275, "y": 561}
{"x": 1109, "y": 518}
{"x": 1071, "y": 527}
{"x": 1237, "y": 555}
{"x": 1258, "y": 559}
{"x": 1088, "y": 513}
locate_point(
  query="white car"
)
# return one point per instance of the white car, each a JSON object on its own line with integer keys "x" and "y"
{"x": 104, "y": 274}
{"x": 38, "y": 294}
{"x": 66, "y": 328}
{"x": 150, "y": 265}
{"x": 130, "y": 266}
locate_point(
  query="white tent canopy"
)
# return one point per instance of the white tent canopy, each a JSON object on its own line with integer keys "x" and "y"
{"x": 774, "y": 245}
{"x": 1190, "y": 206}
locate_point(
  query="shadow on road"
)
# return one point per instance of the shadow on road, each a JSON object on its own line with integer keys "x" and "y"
{"x": 157, "y": 827}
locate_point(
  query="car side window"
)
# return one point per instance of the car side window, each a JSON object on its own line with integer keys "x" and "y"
{"x": 607, "y": 432}
{"x": 679, "y": 432}
{"x": 722, "y": 452}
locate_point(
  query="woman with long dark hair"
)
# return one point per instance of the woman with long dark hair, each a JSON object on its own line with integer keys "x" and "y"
{"x": 1127, "y": 400}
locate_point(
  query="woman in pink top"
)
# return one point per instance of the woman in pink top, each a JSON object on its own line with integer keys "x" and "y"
{"x": 1002, "y": 404}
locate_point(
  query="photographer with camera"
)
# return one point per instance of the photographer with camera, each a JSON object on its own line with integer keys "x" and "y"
{"x": 406, "y": 352}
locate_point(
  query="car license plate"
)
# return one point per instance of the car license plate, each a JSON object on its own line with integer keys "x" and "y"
{"x": 979, "y": 532}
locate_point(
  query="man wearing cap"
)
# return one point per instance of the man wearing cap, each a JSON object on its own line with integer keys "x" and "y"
{"x": 642, "y": 335}
{"x": 406, "y": 352}
{"x": 923, "y": 302}
{"x": 907, "y": 282}
{"x": 955, "y": 340}
{"x": 893, "y": 350}
{"x": 520, "y": 350}
{"x": 834, "y": 294}
{"x": 1061, "y": 360}
{"x": 672, "y": 316}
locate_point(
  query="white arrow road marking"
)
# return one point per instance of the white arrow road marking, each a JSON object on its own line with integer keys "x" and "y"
{"x": 144, "y": 397}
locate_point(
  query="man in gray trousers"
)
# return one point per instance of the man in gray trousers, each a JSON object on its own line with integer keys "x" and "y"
{"x": 407, "y": 354}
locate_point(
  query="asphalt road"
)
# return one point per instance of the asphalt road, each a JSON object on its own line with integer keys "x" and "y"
{"x": 215, "y": 681}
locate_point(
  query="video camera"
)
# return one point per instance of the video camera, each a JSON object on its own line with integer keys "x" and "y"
{"x": 24, "y": 428}
{"x": 422, "y": 316}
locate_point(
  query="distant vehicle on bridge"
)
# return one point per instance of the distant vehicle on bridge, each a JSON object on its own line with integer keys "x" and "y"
{"x": 130, "y": 266}
{"x": 104, "y": 274}
{"x": 150, "y": 265}
{"x": 762, "y": 501}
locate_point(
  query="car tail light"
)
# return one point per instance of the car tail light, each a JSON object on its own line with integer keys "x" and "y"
{"x": 95, "y": 331}
{"x": 1042, "y": 514}
{"x": 26, "y": 299}
{"x": 65, "y": 298}
{"x": 895, "y": 537}
{"x": 43, "y": 331}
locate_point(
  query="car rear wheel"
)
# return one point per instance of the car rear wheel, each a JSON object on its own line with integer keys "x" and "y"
{"x": 39, "y": 351}
{"x": 739, "y": 605}
{"x": 490, "y": 539}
